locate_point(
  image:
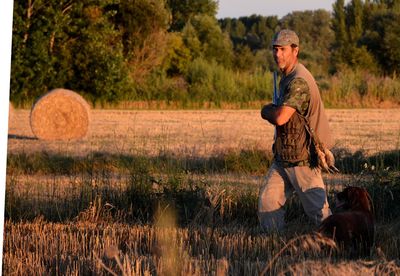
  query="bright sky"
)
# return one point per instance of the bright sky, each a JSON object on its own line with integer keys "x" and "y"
{"x": 237, "y": 8}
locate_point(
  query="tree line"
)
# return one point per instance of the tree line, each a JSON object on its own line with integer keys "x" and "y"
{"x": 178, "y": 51}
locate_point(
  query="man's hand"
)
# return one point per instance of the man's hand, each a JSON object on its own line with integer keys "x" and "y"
{"x": 266, "y": 111}
{"x": 277, "y": 115}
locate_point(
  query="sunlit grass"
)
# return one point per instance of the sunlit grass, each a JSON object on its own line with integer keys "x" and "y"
{"x": 174, "y": 199}
{"x": 137, "y": 216}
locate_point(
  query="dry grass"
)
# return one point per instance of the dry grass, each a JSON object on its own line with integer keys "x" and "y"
{"x": 60, "y": 114}
{"x": 41, "y": 248}
{"x": 343, "y": 268}
{"x": 204, "y": 132}
{"x": 94, "y": 243}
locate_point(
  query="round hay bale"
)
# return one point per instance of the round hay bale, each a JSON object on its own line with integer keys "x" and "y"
{"x": 60, "y": 114}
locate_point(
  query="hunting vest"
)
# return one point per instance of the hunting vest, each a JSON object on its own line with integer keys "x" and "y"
{"x": 292, "y": 142}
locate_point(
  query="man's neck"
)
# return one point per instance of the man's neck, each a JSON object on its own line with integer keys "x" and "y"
{"x": 289, "y": 69}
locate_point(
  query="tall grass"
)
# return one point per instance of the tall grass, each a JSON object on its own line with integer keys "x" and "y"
{"x": 135, "y": 215}
{"x": 135, "y": 186}
{"x": 244, "y": 161}
{"x": 209, "y": 85}
{"x": 210, "y": 82}
{"x": 356, "y": 88}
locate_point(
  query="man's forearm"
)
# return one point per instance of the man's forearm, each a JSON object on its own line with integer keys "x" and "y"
{"x": 277, "y": 115}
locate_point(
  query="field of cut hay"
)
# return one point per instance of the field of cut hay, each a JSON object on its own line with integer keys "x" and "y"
{"x": 203, "y": 132}
{"x": 175, "y": 193}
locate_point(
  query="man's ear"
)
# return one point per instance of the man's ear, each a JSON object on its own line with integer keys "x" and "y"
{"x": 296, "y": 51}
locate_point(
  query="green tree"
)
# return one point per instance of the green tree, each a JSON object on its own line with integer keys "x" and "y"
{"x": 178, "y": 56}
{"x": 99, "y": 65}
{"x": 339, "y": 28}
{"x": 381, "y": 36}
{"x": 139, "y": 19}
{"x": 67, "y": 44}
{"x": 316, "y": 37}
{"x": 354, "y": 21}
{"x": 251, "y": 39}
{"x": 204, "y": 37}
{"x": 143, "y": 25}
{"x": 238, "y": 30}
{"x": 191, "y": 40}
{"x": 391, "y": 40}
{"x": 211, "y": 82}
{"x": 38, "y": 39}
{"x": 350, "y": 50}
{"x": 244, "y": 58}
{"x": 184, "y": 10}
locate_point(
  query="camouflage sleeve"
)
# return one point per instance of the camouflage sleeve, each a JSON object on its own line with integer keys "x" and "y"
{"x": 297, "y": 95}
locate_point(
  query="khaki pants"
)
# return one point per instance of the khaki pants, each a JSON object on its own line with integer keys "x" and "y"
{"x": 280, "y": 183}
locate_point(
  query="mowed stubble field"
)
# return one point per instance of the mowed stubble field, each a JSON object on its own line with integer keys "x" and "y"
{"x": 203, "y": 132}
{"x": 81, "y": 246}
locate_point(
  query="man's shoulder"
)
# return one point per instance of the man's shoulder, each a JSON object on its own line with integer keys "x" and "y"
{"x": 302, "y": 72}
{"x": 300, "y": 67}
{"x": 298, "y": 95}
{"x": 298, "y": 84}
{"x": 299, "y": 72}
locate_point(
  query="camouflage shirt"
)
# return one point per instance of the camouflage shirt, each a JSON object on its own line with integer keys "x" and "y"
{"x": 297, "y": 95}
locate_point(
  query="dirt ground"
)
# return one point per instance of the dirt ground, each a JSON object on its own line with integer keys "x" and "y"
{"x": 202, "y": 132}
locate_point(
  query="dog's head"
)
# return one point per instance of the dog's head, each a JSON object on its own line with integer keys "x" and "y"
{"x": 355, "y": 199}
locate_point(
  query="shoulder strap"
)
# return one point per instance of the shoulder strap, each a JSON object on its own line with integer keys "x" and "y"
{"x": 326, "y": 160}
{"x": 309, "y": 129}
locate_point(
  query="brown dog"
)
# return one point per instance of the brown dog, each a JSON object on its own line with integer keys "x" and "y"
{"x": 353, "y": 229}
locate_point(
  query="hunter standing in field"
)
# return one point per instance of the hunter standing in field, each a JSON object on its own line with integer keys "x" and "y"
{"x": 298, "y": 103}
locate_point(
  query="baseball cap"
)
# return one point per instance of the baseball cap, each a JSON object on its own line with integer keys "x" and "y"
{"x": 285, "y": 37}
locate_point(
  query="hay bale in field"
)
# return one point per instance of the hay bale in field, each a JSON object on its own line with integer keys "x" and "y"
{"x": 60, "y": 114}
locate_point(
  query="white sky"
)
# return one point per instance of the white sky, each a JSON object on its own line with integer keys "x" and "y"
{"x": 237, "y": 8}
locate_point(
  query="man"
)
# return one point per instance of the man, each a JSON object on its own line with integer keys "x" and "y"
{"x": 292, "y": 170}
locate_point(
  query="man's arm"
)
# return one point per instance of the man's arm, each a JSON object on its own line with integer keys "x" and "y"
{"x": 277, "y": 115}
{"x": 296, "y": 98}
